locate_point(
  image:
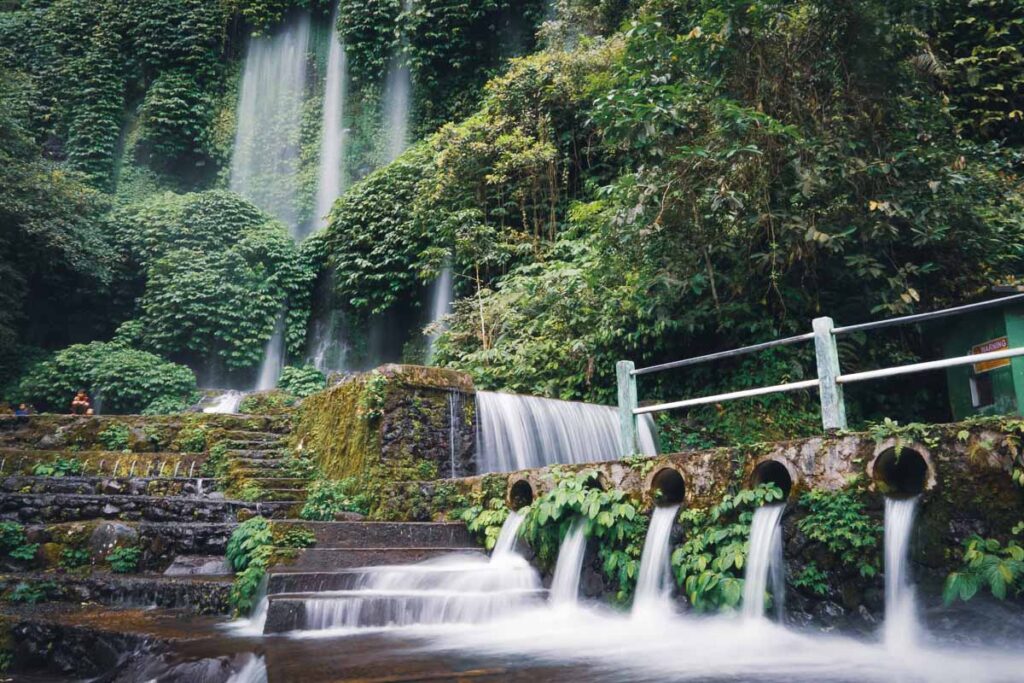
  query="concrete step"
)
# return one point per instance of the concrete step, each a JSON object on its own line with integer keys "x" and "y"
{"x": 332, "y": 559}
{"x": 48, "y": 508}
{"x": 198, "y": 594}
{"x": 367, "y": 535}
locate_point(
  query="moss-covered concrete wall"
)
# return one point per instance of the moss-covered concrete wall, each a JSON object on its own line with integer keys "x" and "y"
{"x": 396, "y": 423}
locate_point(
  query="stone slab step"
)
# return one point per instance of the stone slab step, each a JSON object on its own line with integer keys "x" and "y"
{"x": 43, "y": 508}
{"x": 387, "y": 534}
{"x": 280, "y": 482}
{"x": 261, "y": 463}
{"x": 333, "y": 559}
{"x": 254, "y": 454}
{"x": 198, "y": 594}
{"x": 248, "y": 444}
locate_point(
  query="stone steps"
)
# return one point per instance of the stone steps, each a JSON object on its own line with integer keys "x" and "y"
{"x": 35, "y": 508}
{"x": 254, "y": 454}
{"x": 280, "y": 482}
{"x": 368, "y": 535}
{"x": 333, "y": 559}
{"x": 84, "y": 485}
{"x": 200, "y": 594}
{"x": 261, "y": 463}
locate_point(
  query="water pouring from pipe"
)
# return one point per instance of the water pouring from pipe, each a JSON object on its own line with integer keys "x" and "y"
{"x": 653, "y": 585}
{"x": 565, "y": 584}
{"x": 901, "y": 626}
{"x": 764, "y": 555}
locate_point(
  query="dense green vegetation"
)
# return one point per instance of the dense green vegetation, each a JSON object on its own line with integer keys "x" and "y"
{"x": 650, "y": 180}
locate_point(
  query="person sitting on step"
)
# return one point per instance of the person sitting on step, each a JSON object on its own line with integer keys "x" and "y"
{"x": 80, "y": 404}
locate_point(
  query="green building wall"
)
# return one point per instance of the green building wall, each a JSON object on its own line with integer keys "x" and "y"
{"x": 1007, "y": 382}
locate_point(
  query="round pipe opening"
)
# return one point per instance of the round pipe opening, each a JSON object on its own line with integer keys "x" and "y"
{"x": 901, "y": 472}
{"x": 773, "y": 472}
{"x": 520, "y": 494}
{"x": 668, "y": 487}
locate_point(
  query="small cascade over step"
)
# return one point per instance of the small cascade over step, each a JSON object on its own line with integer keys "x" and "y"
{"x": 518, "y": 432}
{"x": 901, "y": 628}
{"x": 227, "y": 403}
{"x": 254, "y": 671}
{"x": 653, "y": 583}
{"x": 764, "y": 561}
{"x": 565, "y": 585}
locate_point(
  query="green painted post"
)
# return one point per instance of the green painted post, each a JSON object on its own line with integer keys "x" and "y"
{"x": 833, "y": 408}
{"x": 627, "y": 404}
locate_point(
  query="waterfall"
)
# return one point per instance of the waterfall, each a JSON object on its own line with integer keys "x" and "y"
{"x": 397, "y": 93}
{"x": 226, "y": 403}
{"x": 506, "y": 543}
{"x": 454, "y": 428}
{"x": 765, "y": 541}
{"x": 565, "y": 585}
{"x": 273, "y": 358}
{"x": 518, "y": 432}
{"x": 254, "y": 671}
{"x": 653, "y": 582}
{"x": 264, "y": 166}
{"x": 330, "y": 181}
{"x": 441, "y": 299}
{"x": 900, "y": 608}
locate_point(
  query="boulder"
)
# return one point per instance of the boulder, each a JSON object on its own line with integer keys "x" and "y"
{"x": 110, "y": 535}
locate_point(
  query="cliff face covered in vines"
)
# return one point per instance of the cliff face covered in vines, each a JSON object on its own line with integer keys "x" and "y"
{"x": 604, "y": 180}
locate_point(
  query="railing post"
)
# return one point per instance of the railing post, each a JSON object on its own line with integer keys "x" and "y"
{"x": 833, "y": 408}
{"x": 627, "y": 404}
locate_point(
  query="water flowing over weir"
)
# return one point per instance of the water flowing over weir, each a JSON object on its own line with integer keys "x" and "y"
{"x": 397, "y": 94}
{"x": 764, "y": 559}
{"x": 264, "y": 166}
{"x": 453, "y": 589}
{"x": 519, "y": 432}
{"x": 653, "y": 583}
{"x": 441, "y": 298}
{"x": 330, "y": 182}
{"x": 226, "y": 403}
{"x": 900, "y": 606}
{"x": 273, "y": 358}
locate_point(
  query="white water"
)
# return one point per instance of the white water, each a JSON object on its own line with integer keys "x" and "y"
{"x": 254, "y": 671}
{"x": 226, "y": 403}
{"x": 900, "y": 631}
{"x": 264, "y": 165}
{"x": 518, "y": 432}
{"x": 565, "y": 584}
{"x": 653, "y": 584}
{"x": 273, "y": 358}
{"x": 506, "y": 543}
{"x": 330, "y": 181}
{"x": 441, "y": 299}
{"x": 765, "y": 543}
{"x": 397, "y": 92}
{"x": 455, "y": 588}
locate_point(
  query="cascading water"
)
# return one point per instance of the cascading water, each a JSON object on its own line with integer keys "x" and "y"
{"x": 900, "y": 606}
{"x": 454, "y": 428}
{"x": 264, "y": 166}
{"x": 273, "y": 358}
{"x": 506, "y": 543}
{"x": 440, "y": 304}
{"x": 653, "y": 585}
{"x": 565, "y": 584}
{"x": 254, "y": 671}
{"x": 765, "y": 543}
{"x": 330, "y": 182}
{"x": 518, "y": 432}
{"x": 397, "y": 92}
{"x": 226, "y": 403}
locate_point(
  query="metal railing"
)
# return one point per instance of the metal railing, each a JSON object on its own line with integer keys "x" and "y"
{"x": 830, "y": 380}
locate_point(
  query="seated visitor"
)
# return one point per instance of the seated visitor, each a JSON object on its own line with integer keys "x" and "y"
{"x": 80, "y": 404}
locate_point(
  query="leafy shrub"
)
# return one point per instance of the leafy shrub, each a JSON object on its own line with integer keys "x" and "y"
{"x": 126, "y": 380}
{"x": 192, "y": 439}
{"x": 61, "y": 467}
{"x": 116, "y": 437}
{"x": 170, "y": 405}
{"x": 73, "y": 558}
{"x": 987, "y": 562}
{"x": 251, "y": 549}
{"x": 251, "y": 491}
{"x": 485, "y": 521}
{"x": 33, "y": 592}
{"x": 326, "y": 498}
{"x": 267, "y": 403}
{"x": 371, "y": 402}
{"x": 14, "y": 544}
{"x": 709, "y": 565}
{"x": 216, "y": 464}
{"x": 250, "y": 535}
{"x": 219, "y": 271}
{"x": 124, "y": 560}
{"x": 837, "y": 520}
{"x": 301, "y": 381}
{"x": 608, "y": 517}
